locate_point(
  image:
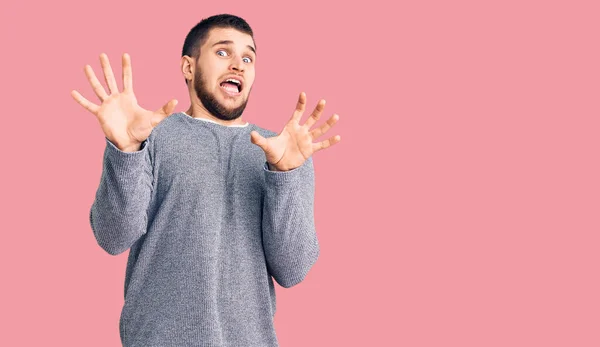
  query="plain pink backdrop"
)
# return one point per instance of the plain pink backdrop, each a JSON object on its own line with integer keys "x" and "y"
{"x": 461, "y": 207}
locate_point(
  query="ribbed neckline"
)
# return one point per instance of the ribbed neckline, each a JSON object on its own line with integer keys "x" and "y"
{"x": 213, "y": 122}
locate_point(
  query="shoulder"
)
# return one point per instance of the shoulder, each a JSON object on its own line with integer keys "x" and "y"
{"x": 167, "y": 125}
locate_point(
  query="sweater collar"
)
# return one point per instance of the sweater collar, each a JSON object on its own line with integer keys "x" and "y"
{"x": 212, "y": 121}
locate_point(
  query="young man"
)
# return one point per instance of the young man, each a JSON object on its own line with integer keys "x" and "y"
{"x": 211, "y": 207}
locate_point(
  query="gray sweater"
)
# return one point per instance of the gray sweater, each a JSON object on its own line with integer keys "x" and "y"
{"x": 208, "y": 227}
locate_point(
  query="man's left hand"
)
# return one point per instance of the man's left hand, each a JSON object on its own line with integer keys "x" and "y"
{"x": 294, "y": 144}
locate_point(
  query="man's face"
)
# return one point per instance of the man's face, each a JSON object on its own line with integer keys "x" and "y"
{"x": 226, "y": 54}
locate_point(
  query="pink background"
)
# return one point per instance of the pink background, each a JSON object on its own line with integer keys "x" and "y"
{"x": 460, "y": 209}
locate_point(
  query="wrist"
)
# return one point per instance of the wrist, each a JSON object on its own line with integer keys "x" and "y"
{"x": 131, "y": 148}
{"x": 272, "y": 167}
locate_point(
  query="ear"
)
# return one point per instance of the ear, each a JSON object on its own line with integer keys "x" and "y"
{"x": 187, "y": 67}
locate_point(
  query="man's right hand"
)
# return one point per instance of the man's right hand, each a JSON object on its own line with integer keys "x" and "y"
{"x": 124, "y": 122}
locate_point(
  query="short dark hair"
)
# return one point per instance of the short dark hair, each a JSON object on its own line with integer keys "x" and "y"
{"x": 199, "y": 33}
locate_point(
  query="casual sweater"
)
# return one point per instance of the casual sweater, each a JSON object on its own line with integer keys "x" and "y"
{"x": 208, "y": 227}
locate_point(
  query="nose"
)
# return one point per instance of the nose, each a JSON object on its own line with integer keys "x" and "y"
{"x": 237, "y": 63}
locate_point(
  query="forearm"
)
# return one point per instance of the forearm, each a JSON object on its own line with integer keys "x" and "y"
{"x": 289, "y": 235}
{"x": 118, "y": 216}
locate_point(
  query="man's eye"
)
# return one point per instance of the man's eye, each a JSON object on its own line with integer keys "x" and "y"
{"x": 220, "y": 52}
{"x": 248, "y": 60}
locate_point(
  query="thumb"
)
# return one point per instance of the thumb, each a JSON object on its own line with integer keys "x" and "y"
{"x": 258, "y": 140}
{"x": 168, "y": 108}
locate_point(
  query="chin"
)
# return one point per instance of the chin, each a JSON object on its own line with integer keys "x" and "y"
{"x": 234, "y": 101}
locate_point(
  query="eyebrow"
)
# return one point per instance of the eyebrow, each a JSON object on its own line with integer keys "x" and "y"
{"x": 228, "y": 42}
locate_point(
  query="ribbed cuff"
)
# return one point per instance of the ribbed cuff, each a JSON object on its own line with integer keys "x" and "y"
{"x": 286, "y": 177}
{"x": 125, "y": 162}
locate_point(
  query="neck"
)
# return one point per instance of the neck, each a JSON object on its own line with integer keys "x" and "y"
{"x": 197, "y": 110}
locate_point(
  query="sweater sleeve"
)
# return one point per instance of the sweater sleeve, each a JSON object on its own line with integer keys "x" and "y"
{"x": 118, "y": 215}
{"x": 289, "y": 237}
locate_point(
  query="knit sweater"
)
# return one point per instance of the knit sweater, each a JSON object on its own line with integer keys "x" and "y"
{"x": 208, "y": 227}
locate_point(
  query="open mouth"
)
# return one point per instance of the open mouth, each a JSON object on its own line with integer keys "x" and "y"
{"x": 232, "y": 85}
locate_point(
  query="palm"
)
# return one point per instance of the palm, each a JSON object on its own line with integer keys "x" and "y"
{"x": 123, "y": 121}
{"x": 294, "y": 144}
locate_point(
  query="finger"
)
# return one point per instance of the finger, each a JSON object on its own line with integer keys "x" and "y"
{"x": 258, "y": 140}
{"x": 164, "y": 112}
{"x": 85, "y": 103}
{"x": 314, "y": 117}
{"x": 159, "y": 115}
{"x": 316, "y": 133}
{"x": 300, "y": 106}
{"x": 168, "y": 108}
{"x": 108, "y": 74}
{"x": 127, "y": 75}
{"x": 98, "y": 88}
{"x": 327, "y": 143}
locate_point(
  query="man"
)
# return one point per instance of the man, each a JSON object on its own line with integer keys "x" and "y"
{"x": 212, "y": 208}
